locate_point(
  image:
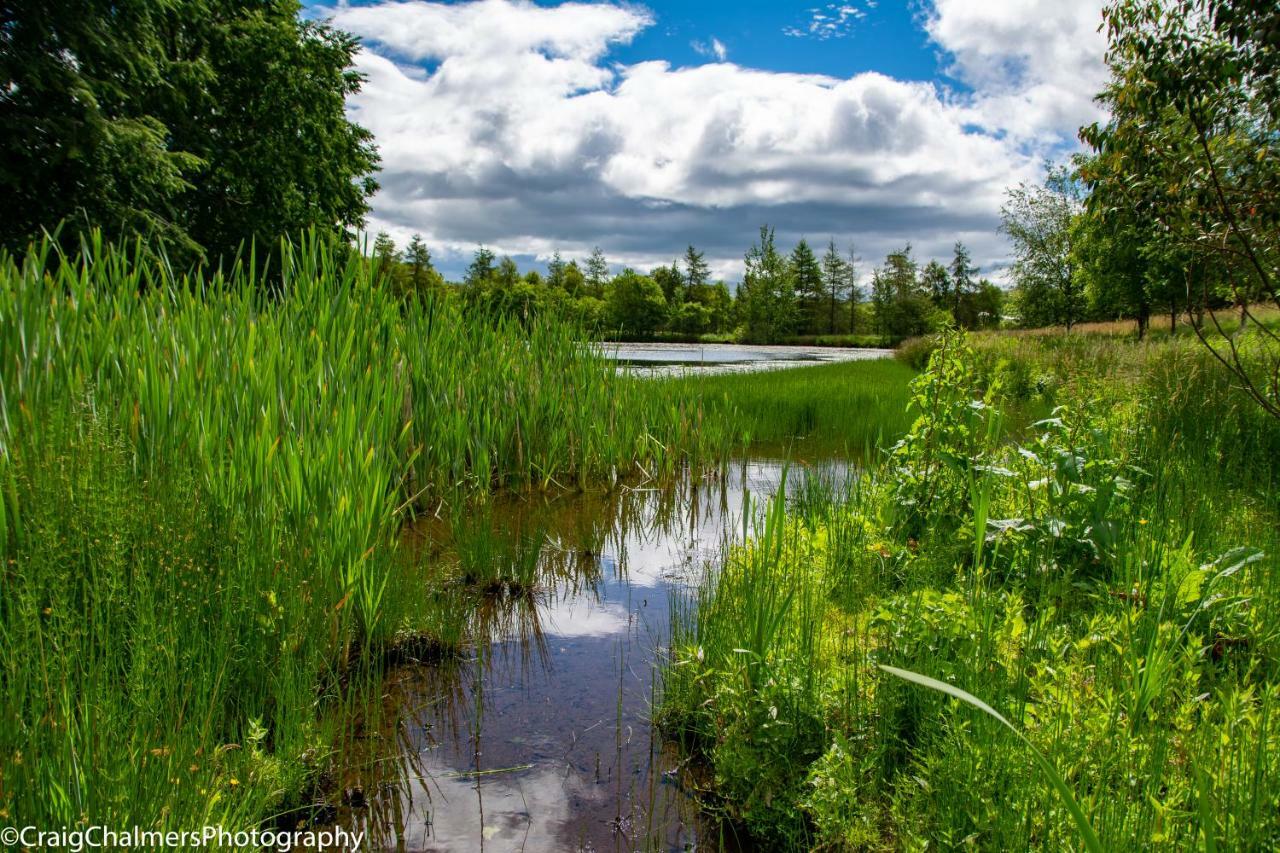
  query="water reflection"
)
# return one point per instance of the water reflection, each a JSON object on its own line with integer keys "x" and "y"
{"x": 667, "y": 359}
{"x": 540, "y": 739}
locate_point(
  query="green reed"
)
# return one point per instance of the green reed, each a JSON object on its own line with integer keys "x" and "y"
{"x": 839, "y": 409}
{"x": 204, "y": 479}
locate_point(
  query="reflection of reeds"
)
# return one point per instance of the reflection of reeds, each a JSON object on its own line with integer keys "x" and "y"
{"x": 508, "y": 562}
{"x": 400, "y": 716}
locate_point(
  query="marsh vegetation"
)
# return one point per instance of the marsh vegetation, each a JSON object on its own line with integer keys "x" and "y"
{"x": 1103, "y": 576}
{"x": 294, "y": 532}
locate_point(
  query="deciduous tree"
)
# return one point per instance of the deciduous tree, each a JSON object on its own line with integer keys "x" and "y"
{"x": 1038, "y": 220}
{"x": 201, "y": 123}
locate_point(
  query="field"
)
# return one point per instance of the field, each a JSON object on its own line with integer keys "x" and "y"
{"x": 1104, "y": 578}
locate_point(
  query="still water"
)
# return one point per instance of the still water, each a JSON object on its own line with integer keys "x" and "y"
{"x": 540, "y": 737}
{"x": 676, "y": 359}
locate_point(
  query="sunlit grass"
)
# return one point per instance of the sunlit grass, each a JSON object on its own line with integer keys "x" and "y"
{"x": 841, "y": 408}
{"x": 1105, "y": 580}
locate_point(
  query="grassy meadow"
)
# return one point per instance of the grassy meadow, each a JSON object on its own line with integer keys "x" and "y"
{"x": 1104, "y": 577}
{"x": 203, "y": 483}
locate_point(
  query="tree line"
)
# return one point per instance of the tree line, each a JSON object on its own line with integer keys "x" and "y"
{"x": 206, "y": 126}
{"x": 792, "y": 296}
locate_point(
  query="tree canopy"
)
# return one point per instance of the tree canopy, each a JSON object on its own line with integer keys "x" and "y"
{"x": 1192, "y": 146}
{"x": 200, "y": 123}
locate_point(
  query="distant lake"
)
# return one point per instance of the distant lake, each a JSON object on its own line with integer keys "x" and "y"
{"x": 675, "y": 359}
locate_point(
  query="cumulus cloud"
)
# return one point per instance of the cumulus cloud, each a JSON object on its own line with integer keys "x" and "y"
{"x": 505, "y": 122}
{"x": 1034, "y": 65}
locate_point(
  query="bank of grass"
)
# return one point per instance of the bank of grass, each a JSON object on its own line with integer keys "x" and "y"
{"x": 843, "y": 340}
{"x": 203, "y": 482}
{"x": 831, "y": 408}
{"x": 1108, "y": 582}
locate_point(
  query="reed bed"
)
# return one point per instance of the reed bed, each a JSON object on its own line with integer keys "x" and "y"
{"x": 1104, "y": 579}
{"x": 830, "y": 409}
{"x": 204, "y": 478}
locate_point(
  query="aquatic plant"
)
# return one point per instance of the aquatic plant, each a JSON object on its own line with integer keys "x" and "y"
{"x": 204, "y": 479}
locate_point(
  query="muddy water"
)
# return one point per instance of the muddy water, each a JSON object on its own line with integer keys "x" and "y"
{"x": 540, "y": 738}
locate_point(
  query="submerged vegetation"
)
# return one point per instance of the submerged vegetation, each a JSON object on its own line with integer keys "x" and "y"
{"x": 1106, "y": 581}
{"x": 203, "y": 482}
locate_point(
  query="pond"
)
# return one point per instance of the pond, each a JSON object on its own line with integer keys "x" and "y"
{"x": 540, "y": 737}
{"x": 676, "y": 359}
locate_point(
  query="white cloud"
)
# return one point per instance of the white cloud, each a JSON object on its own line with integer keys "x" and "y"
{"x": 504, "y": 122}
{"x": 835, "y": 20}
{"x": 715, "y": 48}
{"x": 1035, "y": 65}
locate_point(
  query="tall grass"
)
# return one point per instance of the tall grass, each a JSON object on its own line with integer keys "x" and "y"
{"x": 832, "y": 408}
{"x": 1104, "y": 579}
{"x": 203, "y": 482}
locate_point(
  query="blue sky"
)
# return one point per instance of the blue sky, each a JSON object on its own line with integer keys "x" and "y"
{"x": 543, "y": 127}
{"x": 884, "y": 37}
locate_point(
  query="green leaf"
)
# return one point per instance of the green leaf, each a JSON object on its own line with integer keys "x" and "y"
{"x": 1087, "y": 834}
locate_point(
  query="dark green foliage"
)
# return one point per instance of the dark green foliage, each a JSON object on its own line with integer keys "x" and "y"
{"x": 973, "y": 303}
{"x": 670, "y": 282}
{"x": 806, "y": 278}
{"x": 766, "y": 297}
{"x": 636, "y": 305}
{"x": 206, "y": 124}
{"x": 838, "y": 279}
{"x": 417, "y": 277}
{"x": 696, "y": 271}
{"x": 387, "y": 258}
{"x": 936, "y": 281}
{"x": 900, "y": 302}
{"x": 81, "y": 136}
{"x": 480, "y": 270}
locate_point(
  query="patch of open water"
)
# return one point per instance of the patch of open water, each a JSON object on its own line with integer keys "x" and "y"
{"x": 540, "y": 739}
{"x": 683, "y": 359}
